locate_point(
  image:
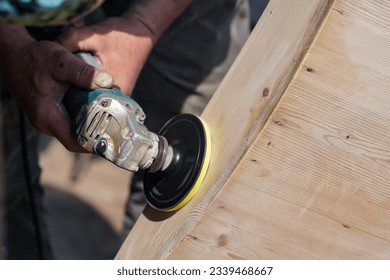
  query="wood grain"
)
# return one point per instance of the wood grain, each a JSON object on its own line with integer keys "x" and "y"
{"x": 236, "y": 114}
{"x": 315, "y": 184}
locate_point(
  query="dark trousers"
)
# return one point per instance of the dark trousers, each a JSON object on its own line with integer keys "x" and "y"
{"x": 22, "y": 215}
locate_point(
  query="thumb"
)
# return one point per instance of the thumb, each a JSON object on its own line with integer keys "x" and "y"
{"x": 70, "y": 69}
{"x": 102, "y": 79}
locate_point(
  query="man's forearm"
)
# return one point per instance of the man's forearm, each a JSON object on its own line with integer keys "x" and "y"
{"x": 157, "y": 15}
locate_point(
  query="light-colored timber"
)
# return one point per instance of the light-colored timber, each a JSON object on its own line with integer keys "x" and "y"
{"x": 301, "y": 135}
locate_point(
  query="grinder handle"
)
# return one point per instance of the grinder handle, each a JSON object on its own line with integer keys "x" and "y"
{"x": 89, "y": 58}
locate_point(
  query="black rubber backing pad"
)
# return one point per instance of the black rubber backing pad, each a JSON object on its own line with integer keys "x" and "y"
{"x": 167, "y": 190}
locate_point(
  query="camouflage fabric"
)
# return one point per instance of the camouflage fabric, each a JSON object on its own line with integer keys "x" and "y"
{"x": 45, "y": 12}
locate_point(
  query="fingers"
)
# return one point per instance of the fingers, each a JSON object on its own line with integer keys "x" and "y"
{"x": 76, "y": 39}
{"x": 82, "y": 39}
{"x": 59, "y": 126}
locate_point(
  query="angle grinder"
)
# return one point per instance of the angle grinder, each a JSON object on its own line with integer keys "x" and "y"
{"x": 110, "y": 124}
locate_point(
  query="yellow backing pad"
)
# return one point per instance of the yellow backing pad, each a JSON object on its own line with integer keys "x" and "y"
{"x": 202, "y": 173}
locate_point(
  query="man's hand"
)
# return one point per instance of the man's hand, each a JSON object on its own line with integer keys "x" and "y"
{"x": 38, "y": 74}
{"x": 123, "y": 44}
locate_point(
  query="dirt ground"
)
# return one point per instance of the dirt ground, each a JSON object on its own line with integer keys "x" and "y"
{"x": 85, "y": 197}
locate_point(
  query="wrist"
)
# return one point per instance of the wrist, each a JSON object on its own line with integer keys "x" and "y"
{"x": 155, "y": 16}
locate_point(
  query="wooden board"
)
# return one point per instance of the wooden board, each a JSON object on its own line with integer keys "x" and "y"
{"x": 248, "y": 93}
{"x": 315, "y": 181}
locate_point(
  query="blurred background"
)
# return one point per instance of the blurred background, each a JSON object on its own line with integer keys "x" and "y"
{"x": 85, "y": 196}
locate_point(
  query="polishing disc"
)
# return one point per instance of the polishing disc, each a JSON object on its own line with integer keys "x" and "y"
{"x": 172, "y": 188}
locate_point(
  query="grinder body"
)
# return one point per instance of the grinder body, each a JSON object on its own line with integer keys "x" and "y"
{"x": 110, "y": 124}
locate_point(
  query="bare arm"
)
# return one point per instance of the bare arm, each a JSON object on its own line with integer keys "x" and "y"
{"x": 157, "y": 15}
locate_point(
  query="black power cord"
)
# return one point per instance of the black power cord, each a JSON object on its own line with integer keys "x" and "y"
{"x": 29, "y": 185}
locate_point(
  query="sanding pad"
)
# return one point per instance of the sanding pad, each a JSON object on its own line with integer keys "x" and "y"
{"x": 171, "y": 189}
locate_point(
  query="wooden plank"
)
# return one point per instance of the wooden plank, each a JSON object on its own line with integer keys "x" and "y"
{"x": 236, "y": 115}
{"x": 316, "y": 182}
